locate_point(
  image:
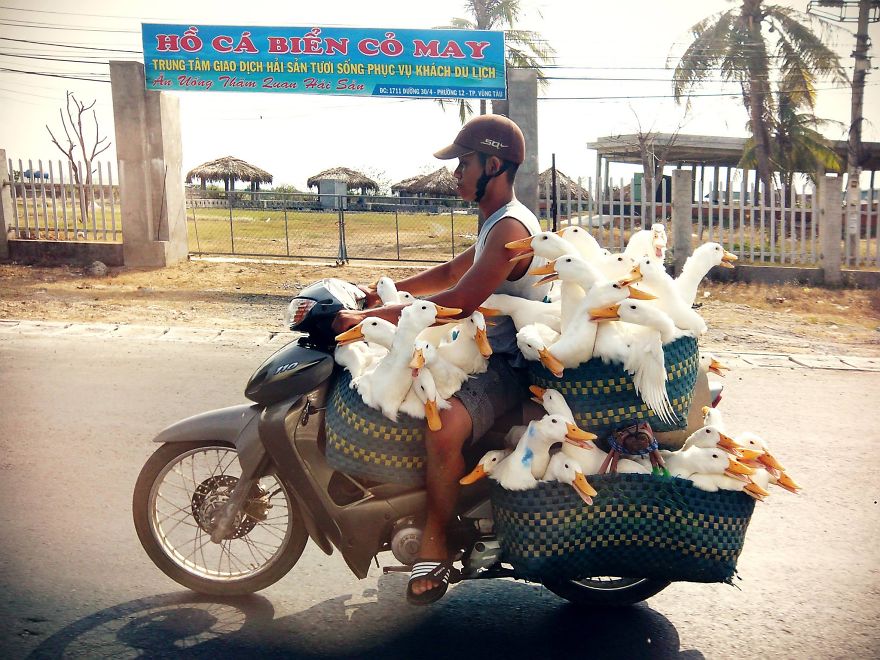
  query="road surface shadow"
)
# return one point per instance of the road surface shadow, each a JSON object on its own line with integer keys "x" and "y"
{"x": 485, "y": 619}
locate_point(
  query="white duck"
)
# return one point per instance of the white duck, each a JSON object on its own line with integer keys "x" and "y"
{"x": 486, "y": 466}
{"x": 713, "y": 417}
{"x": 566, "y": 470}
{"x": 709, "y": 363}
{"x": 524, "y": 311}
{"x": 550, "y": 246}
{"x": 576, "y": 344}
{"x": 522, "y": 468}
{"x": 578, "y": 276}
{"x": 650, "y": 242}
{"x": 447, "y": 376}
{"x": 386, "y": 386}
{"x": 361, "y": 347}
{"x": 645, "y": 361}
{"x": 656, "y": 280}
{"x": 533, "y": 339}
{"x": 703, "y": 259}
{"x": 470, "y": 349}
{"x": 423, "y": 401}
{"x": 552, "y": 401}
{"x": 759, "y": 457}
{"x": 615, "y": 266}
{"x": 703, "y": 466}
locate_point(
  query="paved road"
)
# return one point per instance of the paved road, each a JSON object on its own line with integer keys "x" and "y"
{"x": 77, "y": 413}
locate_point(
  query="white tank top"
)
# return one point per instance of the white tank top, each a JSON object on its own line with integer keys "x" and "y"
{"x": 502, "y": 336}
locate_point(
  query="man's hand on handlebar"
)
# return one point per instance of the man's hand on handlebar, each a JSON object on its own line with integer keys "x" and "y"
{"x": 372, "y": 299}
{"x": 347, "y": 318}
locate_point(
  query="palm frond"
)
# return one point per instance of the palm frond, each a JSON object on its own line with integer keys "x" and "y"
{"x": 815, "y": 55}
{"x": 706, "y": 51}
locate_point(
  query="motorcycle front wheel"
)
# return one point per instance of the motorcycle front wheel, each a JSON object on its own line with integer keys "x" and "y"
{"x": 606, "y": 591}
{"x": 177, "y": 493}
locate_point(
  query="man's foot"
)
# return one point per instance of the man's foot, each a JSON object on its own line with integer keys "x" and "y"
{"x": 428, "y": 581}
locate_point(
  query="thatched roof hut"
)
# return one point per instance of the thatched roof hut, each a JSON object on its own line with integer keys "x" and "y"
{"x": 354, "y": 180}
{"x": 229, "y": 169}
{"x": 403, "y": 185}
{"x": 564, "y": 185}
{"x": 436, "y": 184}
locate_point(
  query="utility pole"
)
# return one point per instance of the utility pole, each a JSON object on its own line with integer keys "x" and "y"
{"x": 868, "y": 12}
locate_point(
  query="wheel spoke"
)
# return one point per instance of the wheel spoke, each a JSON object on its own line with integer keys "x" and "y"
{"x": 193, "y": 485}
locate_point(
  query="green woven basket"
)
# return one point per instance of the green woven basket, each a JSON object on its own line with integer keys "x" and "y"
{"x": 638, "y": 526}
{"x": 362, "y": 442}
{"x": 603, "y": 397}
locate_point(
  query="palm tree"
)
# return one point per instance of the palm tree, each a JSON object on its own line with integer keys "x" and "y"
{"x": 734, "y": 42}
{"x": 795, "y": 143}
{"x": 526, "y": 49}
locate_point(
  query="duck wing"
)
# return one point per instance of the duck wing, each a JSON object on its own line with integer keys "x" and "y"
{"x": 649, "y": 378}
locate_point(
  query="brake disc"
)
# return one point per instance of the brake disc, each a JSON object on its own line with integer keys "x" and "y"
{"x": 215, "y": 491}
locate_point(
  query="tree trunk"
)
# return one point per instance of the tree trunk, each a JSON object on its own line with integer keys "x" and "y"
{"x": 757, "y": 96}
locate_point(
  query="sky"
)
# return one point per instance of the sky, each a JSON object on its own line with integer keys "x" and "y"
{"x": 294, "y": 136}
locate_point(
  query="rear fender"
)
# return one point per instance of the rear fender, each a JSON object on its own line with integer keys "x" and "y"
{"x": 237, "y": 425}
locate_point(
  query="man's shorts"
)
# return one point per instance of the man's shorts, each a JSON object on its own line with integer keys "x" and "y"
{"x": 487, "y": 396}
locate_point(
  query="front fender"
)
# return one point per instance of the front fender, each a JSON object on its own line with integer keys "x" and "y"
{"x": 237, "y": 425}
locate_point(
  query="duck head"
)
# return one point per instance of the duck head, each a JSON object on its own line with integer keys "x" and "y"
{"x": 566, "y": 470}
{"x": 424, "y": 313}
{"x": 658, "y": 239}
{"x": 478, "y": 321}
{"x": 709, "y": 437}
{"x": 484, "y": 468}
{"x": 551, "y": 362}
{"x": 556, "y": 428}
{"x": 545, "y": 244}
{"x": 387, "y": 291}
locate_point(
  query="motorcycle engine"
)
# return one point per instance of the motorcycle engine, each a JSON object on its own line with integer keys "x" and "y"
{"x": 406, "y": 541}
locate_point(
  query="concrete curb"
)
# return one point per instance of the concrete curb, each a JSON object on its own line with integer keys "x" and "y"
{"x": 277, "y": 339}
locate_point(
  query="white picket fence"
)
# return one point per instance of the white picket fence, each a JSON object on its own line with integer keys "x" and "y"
{"x": 48, "y": 203}
{"x": 784, "y": 230}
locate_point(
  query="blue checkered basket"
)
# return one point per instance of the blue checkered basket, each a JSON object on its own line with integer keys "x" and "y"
{"x": 639, "y": 526}
{"x": 603, "y": 397}
{"x": 362, "y": 442}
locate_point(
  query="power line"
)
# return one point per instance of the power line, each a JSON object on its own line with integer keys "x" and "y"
{"x": 665, "y": 96}
{"x": 80, "y": 46}
{"x": 56, "y": 75}
{"x": 50, "y": 26}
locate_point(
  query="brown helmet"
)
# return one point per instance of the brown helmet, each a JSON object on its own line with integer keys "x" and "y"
{"x": 493, "y": 135}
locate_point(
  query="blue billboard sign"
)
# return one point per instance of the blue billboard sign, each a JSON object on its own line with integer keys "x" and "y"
{"x": 441, "y": 64}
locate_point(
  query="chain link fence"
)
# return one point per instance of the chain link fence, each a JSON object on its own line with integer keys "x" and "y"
{"x": 340, "y": 227}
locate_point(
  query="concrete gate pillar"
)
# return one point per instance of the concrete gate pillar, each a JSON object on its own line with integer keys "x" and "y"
{"x": 522, "y": 94}
{"x": 149, "y": 156}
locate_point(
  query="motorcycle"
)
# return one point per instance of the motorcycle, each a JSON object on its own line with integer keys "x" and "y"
{"x": 228, "y": 502}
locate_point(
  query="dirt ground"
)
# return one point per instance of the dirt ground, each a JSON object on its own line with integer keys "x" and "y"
{"x": 209, "y": 293}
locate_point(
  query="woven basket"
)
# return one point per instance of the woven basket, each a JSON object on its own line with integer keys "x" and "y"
{"x": 638, "y": 526}
{"x": 603, "y": 397}
{"x": 362, "y": 442}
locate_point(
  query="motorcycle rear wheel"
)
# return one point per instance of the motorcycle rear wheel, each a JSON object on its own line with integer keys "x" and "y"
{"x": 606, "y": 591}
{"x": 178, "y": 490}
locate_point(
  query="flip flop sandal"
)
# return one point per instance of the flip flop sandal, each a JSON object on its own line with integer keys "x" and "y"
{"x": 436, "y": 571}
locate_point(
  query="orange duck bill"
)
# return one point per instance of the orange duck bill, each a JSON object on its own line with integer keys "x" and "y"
{"x": 553, "y": 365}
{"x": 737, "y": 470}
{"x": 482, "y": 340}
{"x": 635, "y": 275}
{"x": 351, "y": 335}
{"x": 611, "y": 313}
{"x": 583, "y": 488}
{"x": 638, "y": 294}
{"x": 717, "y": 367}
{"x": 475, "y": 475}
{"x": 578, "y": 437}
{"x": 522, "y": 244}
{"x": 789, "y": 484}
{"x": 727, "y": 259}
{"x": 754, "y": 490}
{"x": 445, "y": 314}
{"x": 538, "y": 392}
{"x": 727, "y": 444}
{"x": 432, "y": 414}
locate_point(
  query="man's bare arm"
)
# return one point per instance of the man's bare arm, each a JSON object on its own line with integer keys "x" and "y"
{"x": 440, "y": 277}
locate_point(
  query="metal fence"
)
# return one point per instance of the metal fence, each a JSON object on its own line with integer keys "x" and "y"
{"x": 782, "y": 228}
{"x": 50, "y": 204}
{"x": 337, "y": 227}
